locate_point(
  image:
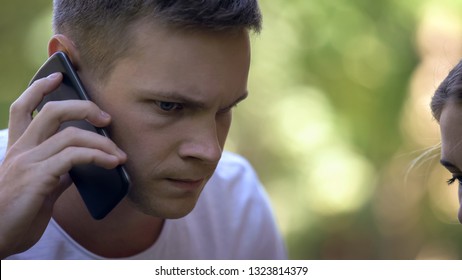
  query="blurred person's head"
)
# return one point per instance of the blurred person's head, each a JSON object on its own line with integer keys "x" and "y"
{"x": 446, "y": 106}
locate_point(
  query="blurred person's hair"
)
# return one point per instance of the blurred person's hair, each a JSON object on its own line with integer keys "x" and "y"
{"x": 450, "y": 88}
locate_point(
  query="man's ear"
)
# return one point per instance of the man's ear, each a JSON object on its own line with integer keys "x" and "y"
{"x": 60, "y": 42}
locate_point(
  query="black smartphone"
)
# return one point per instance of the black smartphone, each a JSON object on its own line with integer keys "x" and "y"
{"x": 101, "y": 189}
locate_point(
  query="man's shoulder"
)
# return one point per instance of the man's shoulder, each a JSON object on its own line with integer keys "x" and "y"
{"x": 230, "y": 158}
{"x": 234, "y": 185}
{"x": 236, "y": 177}
{"x": 236, "y": 205}
{"x": 233, "y": 165}
{"x": 3, "y": 136}
{"x": 3, "y": 143}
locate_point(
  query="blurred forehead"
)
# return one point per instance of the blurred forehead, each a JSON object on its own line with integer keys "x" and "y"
{"x": 451, "y": 131}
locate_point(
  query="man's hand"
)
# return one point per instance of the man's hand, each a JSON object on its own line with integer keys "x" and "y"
{"x": 34, "y": 172}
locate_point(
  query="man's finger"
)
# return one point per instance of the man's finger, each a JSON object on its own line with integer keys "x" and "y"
{"x": 21, "y": 110}
{"x": 54, "y": 113}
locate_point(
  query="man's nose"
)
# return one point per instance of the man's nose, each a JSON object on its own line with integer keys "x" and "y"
{"x": 202, "y": 143}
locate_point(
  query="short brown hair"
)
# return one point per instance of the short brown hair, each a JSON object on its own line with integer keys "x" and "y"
{"x": 99, "y": 27}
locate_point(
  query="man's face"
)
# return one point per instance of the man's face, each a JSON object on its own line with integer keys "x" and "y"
{"x": 170, "y": 102}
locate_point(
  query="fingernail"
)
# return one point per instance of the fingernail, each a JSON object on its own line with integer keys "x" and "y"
{"x": 121, "y": 153}
{"x": 54, "y": 75}
{"x": 105, "y": 115}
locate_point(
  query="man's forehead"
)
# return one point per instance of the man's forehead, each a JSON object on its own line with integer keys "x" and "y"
{"x": 147, "y": 27}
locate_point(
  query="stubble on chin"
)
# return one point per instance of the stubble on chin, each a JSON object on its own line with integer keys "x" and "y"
{"x": 168, "y": 208}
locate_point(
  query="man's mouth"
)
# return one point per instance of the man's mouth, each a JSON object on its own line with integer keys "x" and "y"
{"x": 186, "y": 183}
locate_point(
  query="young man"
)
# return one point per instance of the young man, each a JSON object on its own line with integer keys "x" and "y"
{"x": 164, "y": 77}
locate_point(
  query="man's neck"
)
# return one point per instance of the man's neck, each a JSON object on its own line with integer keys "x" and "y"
{"x": 124, "y": 232}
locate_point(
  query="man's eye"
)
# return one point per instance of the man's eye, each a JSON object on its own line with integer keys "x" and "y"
{"x": 169, "y": 106}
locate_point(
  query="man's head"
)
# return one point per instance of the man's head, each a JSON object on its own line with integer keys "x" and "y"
{"x": 101, "y": 29}
{"x": 169, "y": 74}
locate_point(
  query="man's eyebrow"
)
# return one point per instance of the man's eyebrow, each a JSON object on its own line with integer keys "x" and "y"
{"x": 238, "y": 100}
{"x": 173, "y": 96}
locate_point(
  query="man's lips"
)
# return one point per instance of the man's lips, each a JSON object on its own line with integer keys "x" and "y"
{"x": 186, "y": 183}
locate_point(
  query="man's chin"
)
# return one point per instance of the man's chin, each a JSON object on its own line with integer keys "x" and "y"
{"x": 164, "y": 209}
{"x": 167, "y": 213}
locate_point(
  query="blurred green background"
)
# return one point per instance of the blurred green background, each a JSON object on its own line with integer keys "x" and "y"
{"x": 338, "y": 113}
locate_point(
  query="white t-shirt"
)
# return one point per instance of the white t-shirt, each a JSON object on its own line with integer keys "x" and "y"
{"x": 232, "y": 220}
